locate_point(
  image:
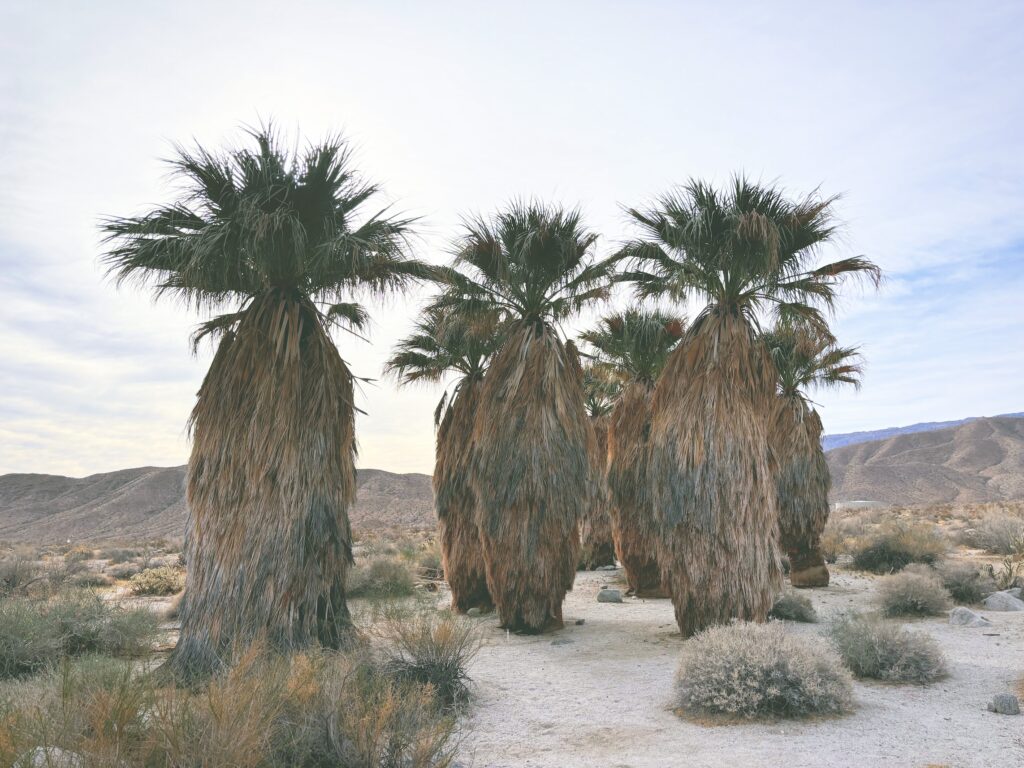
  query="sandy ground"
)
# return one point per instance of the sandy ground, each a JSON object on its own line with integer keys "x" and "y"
{"x": 600, "y": 694}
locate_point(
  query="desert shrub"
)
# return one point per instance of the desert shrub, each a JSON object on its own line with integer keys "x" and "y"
{"x": 998, "y": 533}
{"x": 123, "y": 571}
{"x": 157, "y": 581}
{"x": 117, "y": 555}
{"x": 37, "y": 633}
{"x": 1008, "y": 573}
{"x": 896, "y": 545}
{"x": 913, "y": 594}
{"x": 382, "y": 577}
{"x": 93, "y": 579}
{"x": 78, "y": 554}
{"x": 874, "y": 649}
{"x": 428, "y": 649}
{"x": 430, "y": 565}
{"x": 791, "y": 606}
{"x": 16, "y": 573}
{"x": 966, "y": 583}
{"x": 758, "y": 670}
{"x": 835, "y": 540}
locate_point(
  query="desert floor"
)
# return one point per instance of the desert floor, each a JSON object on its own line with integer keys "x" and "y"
{"x": 601, "y": 693}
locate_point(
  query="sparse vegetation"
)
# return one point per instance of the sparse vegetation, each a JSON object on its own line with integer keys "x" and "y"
{"x": 123, "y": 571}
{"x": 897, "y": 544}
{"x": 966, "y": 583}
{"x": 998, "y": 532}
{"x": 752, "y": 670}
{"x": 913, "y": 593}
{"x": 875, "y": 649}
{"x": 157, "y": 581}
{"x": 381, "y": 577}
{"x": 791, "y": 606}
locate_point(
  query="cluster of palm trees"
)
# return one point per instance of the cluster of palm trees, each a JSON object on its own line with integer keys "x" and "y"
{"x": 691, "y": 449}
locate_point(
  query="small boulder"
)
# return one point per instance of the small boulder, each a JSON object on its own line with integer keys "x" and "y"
{"x": 51, "y": 757}
{"x": 1004, "y": 704}
{"x": 606, "y": 568}
{"x": 562, "y": 641}
{"x": 474, "y": 611}
{"x": 609, "y": 596}
{"x": 1015, "y": 591}
{"x": 1003, "y": 601}
{"x": 965, "y": 617}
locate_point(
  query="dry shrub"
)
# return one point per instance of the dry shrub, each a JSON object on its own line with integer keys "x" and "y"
{"x": 966, "y": 583}
{"x": 382, "y": 577}
{"x": 117, "y": 555}
{"x": 17, "y": 572}
{"x": 78, "y": 554}
{"x": 91, "y": 579}
{"x": 835, "y": 541}
{"x": 35, "y": 634}
{"x": 913, "y": 593}
{"x": 123, "y": 571}
{"x": 790, "y": 606}
{"x": 759, "y": 671}
{"x": 874, "y": 649}
{"x": 998, "y": 533}
{"x": 157, "y": 581}
{"x": 897, "y": 544}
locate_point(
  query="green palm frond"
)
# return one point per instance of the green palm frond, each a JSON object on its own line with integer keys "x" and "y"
{"x": 806, "y": 360}
{"x": 635, "y": 344}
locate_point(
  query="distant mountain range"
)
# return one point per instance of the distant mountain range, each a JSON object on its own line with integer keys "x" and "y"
{"x": 971, "y": 460}
{"x": 851, "y": 438}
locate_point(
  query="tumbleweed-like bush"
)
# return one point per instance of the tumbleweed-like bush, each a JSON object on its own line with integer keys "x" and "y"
{"x": 875, "y": 649}
{"x": 790, "y": 606}
{"x": 913, "y": 593}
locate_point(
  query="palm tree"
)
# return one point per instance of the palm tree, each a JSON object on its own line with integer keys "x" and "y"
{"x": 804, "y": 360}
{"x": 634, "y": 346}
{"x": 443, "y": 344}
{"x": 536, "y": 459}
{"x": 597, "y": 547}
{"x": 274, "y": 244}
{"x": 745, "y": 251}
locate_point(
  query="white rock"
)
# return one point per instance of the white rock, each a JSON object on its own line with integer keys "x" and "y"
{"x": 1004, "y": 704}
{"x": 965, "y": 617}
{"x": 51, "y": 757}
{"x": 1003, "y": 601}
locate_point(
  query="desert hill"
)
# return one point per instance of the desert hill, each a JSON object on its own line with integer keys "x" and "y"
{"x": 148, "y": 502}
{"x": 852, "y": 438}
{"x": 978, "y": 460}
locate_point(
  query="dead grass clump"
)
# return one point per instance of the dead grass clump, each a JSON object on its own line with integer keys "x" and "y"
{"x": 157, "y": 581}
{"x": 382, "y": 577}
{"x": 874, "y": 649}
{"x": 748, "y": 670}
{"x": 998, "y": 533}
{"x": 897, "y": 544}
{"x": 913, "y": 593}
{"x": 790, "y": 606}
{"x": 966, "y": 583}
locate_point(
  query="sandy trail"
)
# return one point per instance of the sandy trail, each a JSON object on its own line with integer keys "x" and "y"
{"x": 600, "y": 695}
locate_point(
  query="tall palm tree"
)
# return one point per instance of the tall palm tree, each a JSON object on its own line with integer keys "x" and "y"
{"x": 804, "y": 360}
{"x": 274, "y": 244}
{"x": 444, "y": 343}
{"x": 597, "y": 547}
{"x": 536, "y": 461}
{"x": 745, "y": 251}
{"x": 634, "y": 345}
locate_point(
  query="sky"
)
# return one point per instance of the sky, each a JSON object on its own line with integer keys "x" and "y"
{"x": 911, "y": 111}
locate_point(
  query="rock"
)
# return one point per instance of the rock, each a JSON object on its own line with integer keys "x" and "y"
{"x": 474, "y": 611}
{"x": 562, "y": 641}
{"x": 1003, "y": 601}
{"x": 1004, "y": 704}
{"x": 965, "y": 617}
{"x": 815, "y": 576}
{"x": 606, "y": 568}
{"x": 580, "y": 622}
{"x": 54, "y": 757}
{"x": 1015, "y": 591}
{"x": 609, "y": 596}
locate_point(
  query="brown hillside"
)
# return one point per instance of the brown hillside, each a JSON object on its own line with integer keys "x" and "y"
{"x": 148, "y": 502}
{"x": 981, "y": 460}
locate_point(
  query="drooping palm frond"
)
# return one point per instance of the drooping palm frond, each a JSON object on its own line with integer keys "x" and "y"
{"x": 746, "y": 251}
{"x": 277, "y": 246}
{"x": 536, "y": 464}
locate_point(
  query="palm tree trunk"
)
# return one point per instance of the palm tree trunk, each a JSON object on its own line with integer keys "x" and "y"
{"x": 803, "y": 482}
{"x": 634, "y": 524}
{"x": 455, "y": 500}
{"x": 270, "y": 482}
{"x": 536, "y": 467}
{"x": 710, "y": 476}
{"x": 597, "y": 548}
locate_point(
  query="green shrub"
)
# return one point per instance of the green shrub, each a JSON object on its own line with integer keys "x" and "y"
{"x": 35, "y": 634}
{"x": 157, "y": 581}
{"x": 383, "y": 577}
{"x": 790, "y": 606}
{"x": 432, "y": 650}
{"x": 874, "y": 649}
{"x": 967, "y": 584}
{"x": 913, "y": 594}
{"x": 998, "y": 533}
{"x": 895, "y": 545}
{"x": 758, "y": 670}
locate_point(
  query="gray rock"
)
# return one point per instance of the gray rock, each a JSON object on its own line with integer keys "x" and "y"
{"x": 51, "y": 757}
{"x": 1004, "y": 704}
{"x": 606, "y": 568}
{"x": 562, "y": 641}
{"x": 965, "y": 617}
{"x": 1003, "y": 601}
{"x": 580, "y": 622}
{"x": 1015, "y": 591}
{"x": 474, "y": 611}
{"x": 609, "y": 596}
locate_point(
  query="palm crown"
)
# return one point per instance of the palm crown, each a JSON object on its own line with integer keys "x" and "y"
{"x": 805, "y": 360}
{"x": 636, "y": 343}
{"x": 743, "y": 250}
{"x": 531, "y": 262}
{"x": 600, "y": 390}
{"x": 255, "y": 220}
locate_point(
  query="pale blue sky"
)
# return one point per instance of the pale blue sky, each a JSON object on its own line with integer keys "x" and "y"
{"x": 912, "y": 111}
